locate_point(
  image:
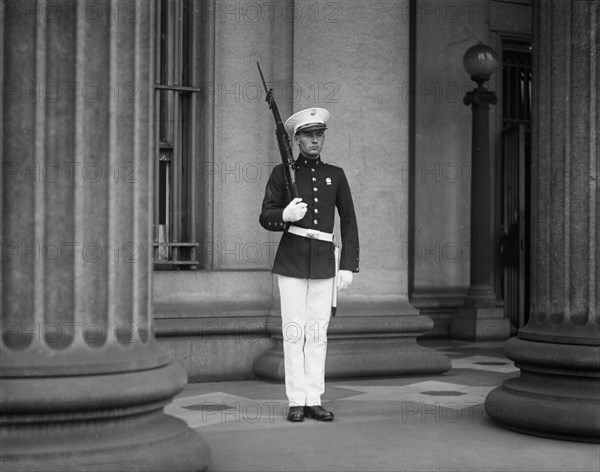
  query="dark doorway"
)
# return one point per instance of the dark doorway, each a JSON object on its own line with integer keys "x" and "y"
{"x": 516, "y": 178}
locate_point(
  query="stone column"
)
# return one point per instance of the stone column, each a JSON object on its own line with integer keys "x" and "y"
{"x": 558, "y": 352}
{"x": 83, "y": 382}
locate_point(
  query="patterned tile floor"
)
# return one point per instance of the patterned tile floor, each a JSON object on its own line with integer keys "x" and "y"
{"x": 424, "y": 423}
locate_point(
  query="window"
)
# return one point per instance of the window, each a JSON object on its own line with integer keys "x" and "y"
{"x": 176, "y": 102}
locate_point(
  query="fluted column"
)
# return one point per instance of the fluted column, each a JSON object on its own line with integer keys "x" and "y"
{"x": 558, "y": 351}
{"x": 83, "y": 382}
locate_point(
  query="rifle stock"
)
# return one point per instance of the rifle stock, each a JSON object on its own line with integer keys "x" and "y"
{"x": 283, "y": 141}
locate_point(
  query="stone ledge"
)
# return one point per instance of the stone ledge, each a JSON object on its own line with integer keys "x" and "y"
{"x": 376, "y": 344}
{"x": 367, "y": 338}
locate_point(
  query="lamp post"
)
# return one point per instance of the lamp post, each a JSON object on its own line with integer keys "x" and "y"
{"x": 481, "y": 318}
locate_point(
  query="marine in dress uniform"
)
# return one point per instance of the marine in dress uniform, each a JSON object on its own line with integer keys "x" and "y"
{"x": 304, "y": 262}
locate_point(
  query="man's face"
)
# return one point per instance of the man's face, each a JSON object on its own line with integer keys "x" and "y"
{"x": 310, "y": 142}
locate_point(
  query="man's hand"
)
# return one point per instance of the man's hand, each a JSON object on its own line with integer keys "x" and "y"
{"x": 344, "y": 279}
{"x": 295, "y": 211}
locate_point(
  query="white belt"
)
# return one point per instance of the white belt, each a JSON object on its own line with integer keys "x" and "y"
{"x": 311, "y": 233}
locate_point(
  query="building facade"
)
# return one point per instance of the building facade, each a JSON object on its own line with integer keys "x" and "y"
{"x": 391, "y": 74}
{"x": 136, "y": 146}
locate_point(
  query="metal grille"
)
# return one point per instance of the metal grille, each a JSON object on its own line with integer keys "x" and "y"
{"x": 515, "y": 223}
{"x": 516, "y": 121}
{"x": 516, "y": 86}
{"x": 176, "y": 99}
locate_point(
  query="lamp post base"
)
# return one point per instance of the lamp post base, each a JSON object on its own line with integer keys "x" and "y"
{"x": 475, "y": 323}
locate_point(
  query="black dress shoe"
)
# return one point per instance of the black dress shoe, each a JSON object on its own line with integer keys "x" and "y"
{"x": 296, "y": 413}
{"x": 318, "y": 413}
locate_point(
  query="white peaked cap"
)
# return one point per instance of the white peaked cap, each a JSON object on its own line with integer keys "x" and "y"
{"x": 311, "y": 118}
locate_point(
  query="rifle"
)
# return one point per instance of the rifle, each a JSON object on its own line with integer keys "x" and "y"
{"x": 283, "y": 140}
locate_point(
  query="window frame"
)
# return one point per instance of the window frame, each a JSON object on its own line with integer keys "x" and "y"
{"x": 177, "y": 99}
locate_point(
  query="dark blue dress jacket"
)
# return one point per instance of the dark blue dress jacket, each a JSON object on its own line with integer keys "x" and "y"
{"x": 323, "y": 187}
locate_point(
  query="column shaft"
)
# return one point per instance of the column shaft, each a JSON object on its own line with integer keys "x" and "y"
{"x": 558, "y": 351}
{"x": 565, "y": 285}
{"x": 83, "y": 381}
{"x": 482, "y": 317}
{"x": 481, "y": 290}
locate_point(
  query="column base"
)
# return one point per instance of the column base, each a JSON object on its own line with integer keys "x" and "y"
{"x": 474, "y": 323}
{"x": 151, "y": 443}
{"x": 556, "y": 394}
{"x": 363, "y": 347}
{"x": 103, "y": 422}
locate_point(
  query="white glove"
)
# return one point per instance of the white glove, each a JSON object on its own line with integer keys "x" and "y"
{"x": 344, "y": 279}
{"x": 295, "y": 211}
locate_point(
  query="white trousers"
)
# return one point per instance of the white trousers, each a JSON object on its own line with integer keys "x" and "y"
{"x": 305, "y": 312}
